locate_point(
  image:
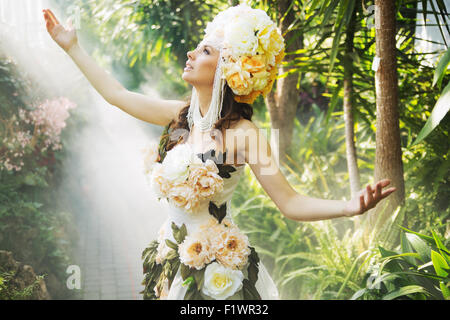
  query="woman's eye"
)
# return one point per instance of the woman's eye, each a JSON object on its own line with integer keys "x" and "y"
{"x": 206, "y": 51}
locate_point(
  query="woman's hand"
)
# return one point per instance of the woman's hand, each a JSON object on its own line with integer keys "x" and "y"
{"x": 367, "y": 198}
{"x": 66, "y": 38}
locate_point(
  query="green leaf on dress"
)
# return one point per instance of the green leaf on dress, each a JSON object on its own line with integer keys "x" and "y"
{"x": 199, "y": 276}
{"x": 171, "y": 244}
{"x": 224, "y": 169}
{"x": 218, "y": 212}
{"x": 185, "y": 271}
{"x": 179, "y": 233}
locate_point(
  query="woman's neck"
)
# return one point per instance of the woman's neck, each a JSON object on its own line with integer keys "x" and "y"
{"x": 204, "y": 99}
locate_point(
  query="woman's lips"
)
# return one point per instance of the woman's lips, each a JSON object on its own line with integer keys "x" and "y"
{"x": 188, "y": 68}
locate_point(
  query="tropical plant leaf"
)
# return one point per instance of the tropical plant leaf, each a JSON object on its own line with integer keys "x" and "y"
{"x": 439, "y": 111}
{"x": 405, "y": 291}
{"x": 442, "y": 249}
{"x": 406, "y": 247}
{"x": 386, "y": 253}
{"x": 439, "y": 263}
{"x": 420, "y": 246}
{"x": 358, "y": 294}
{"x": 441, "y": 69}
{"x": 428, "y": 239}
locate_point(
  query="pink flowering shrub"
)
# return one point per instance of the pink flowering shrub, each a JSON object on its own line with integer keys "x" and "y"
{"x": 34, "y": 131}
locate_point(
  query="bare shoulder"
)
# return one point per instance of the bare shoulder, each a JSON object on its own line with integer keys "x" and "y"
{"x": 239, "y": 135}
{"x": 239, "y": 129}
{"x": 176, "y": 107}
{"x": 244, "y": 124}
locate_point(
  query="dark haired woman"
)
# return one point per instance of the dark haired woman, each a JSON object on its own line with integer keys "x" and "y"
{"x": 200, "y": 253}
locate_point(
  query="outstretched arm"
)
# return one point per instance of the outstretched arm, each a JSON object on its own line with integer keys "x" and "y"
{"x": 293, "y": 205}
{"x": 150, "y": 109}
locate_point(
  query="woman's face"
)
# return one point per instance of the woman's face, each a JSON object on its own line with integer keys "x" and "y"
{"x": 204, "y": 62}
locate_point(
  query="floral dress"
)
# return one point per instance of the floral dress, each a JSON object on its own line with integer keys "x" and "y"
{"x": 200, "y": 253}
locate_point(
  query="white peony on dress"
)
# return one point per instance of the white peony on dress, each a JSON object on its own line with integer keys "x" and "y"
{"x": 200, "y": 252}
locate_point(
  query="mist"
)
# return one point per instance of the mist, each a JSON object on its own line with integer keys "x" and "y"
{"x": 103, "y": 185}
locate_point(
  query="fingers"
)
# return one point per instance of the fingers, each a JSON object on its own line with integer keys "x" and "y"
{"x": 377, "y": 188}
{"x": 361, "y": 204}
{"x": 50, "y": 19}
{"x": 48, "y": 22}
{"x": 52, "y": 16}
{"x": 388, "y": 192}
{"x": 49, "y": 25}
{"x": 370, "y": 196}
{"x": 378, "y": 191}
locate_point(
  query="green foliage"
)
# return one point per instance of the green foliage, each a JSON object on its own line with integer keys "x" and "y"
{"x": 34, "y": 231}
{"x": 321, "y": 260}
{"x": 9, "y": 291}
{"x": 416, "y": 271}
{"x": 152, "y": 271}
{"x": 442, "y": 105}
{"x": 147, "y": 40}
{"x": 329, "y": 259}
{"x": 32, "y": 226}
{"x": 156, "y": 274}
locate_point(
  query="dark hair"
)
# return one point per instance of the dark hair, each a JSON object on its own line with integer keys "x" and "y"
{"x": 232, "y": 111}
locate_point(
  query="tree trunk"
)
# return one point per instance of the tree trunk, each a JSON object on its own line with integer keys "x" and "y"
{"x": 388, "y": 155}
{"x": 352, "y": 165}
{"x": 283, "y": 100}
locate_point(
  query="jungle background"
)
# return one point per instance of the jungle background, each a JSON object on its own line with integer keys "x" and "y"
{"x": 73, "y": 198}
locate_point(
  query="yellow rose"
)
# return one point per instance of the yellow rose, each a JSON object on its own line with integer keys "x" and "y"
{"x": 250, "y": 98}
{"x": 279, "y": 57}
{"x": 239, "y": 85}
{"x": 195, "y": 251}
{"x": 260, "y": 80}
{"x": 231, "y": 246}
{"x": 205, "y": 180}
{"x": 179, "y": 194}
{"x": 253, "y": 64}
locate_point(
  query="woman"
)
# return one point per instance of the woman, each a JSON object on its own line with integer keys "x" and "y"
{"x": 201, "y": 253}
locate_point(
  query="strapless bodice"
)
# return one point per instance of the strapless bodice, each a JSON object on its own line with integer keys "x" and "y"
{"x": 192, "y": 186}
{"x": 200, "y": 217}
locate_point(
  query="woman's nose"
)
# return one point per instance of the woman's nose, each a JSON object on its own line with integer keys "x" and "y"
{"x": 190, "y": 54}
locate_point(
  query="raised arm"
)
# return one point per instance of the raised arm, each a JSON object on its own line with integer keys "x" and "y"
{"x": 150, "y": 109}
{"x": 293, "y": 205}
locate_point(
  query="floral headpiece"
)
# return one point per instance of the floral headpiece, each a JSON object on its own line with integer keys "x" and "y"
{"x": 251, "y": 49}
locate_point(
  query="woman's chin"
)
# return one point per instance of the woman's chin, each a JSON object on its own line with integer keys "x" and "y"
{"x": 185, "y": 76}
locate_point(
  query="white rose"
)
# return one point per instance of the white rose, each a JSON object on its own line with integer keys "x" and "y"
{"x": 151, "y": 154}
{"x": 220, "y": 282}
{"x": 260, "y": 19}
{"x": 177, "y": 161}
{"x": 155, "y": 179}
{"x": 240, "y": 36}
